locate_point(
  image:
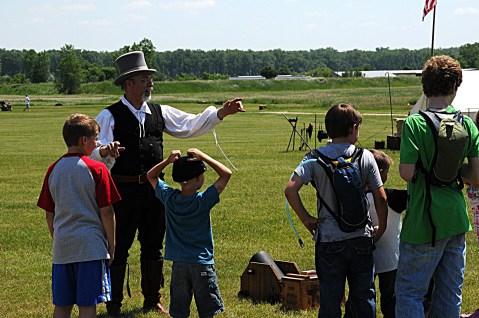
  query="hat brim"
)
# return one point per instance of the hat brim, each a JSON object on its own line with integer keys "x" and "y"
{"x": 130, "y": 74}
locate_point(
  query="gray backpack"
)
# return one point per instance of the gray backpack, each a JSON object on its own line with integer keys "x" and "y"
{"x": 450, "y": 139}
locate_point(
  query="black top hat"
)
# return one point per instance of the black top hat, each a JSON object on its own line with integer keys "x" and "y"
{"x": 184, "y": 169}
{"x": 131, "y": 64}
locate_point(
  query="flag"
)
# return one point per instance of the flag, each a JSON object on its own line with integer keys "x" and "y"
{"x": 428, "y": 6}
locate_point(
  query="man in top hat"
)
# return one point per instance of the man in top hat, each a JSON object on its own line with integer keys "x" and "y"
{"x": 135, "y": 127}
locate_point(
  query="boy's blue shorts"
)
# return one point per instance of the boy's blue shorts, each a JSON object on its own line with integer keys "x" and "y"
{"x": 83, "y": 283}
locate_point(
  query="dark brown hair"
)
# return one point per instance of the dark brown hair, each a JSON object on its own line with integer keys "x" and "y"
{"x": 441, "y": 76}
{"x": 339, "y": 120}
{"x": 77, "y": 126}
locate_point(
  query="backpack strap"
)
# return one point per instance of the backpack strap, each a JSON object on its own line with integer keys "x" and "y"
{"x": 432, "y": 120}
{"x": 328, "y": 169}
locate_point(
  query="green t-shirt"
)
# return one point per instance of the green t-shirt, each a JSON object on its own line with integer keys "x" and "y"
{"x": 448, "y": 206}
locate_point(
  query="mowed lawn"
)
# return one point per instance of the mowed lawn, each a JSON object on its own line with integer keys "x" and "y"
{"x": 251, "y": 216}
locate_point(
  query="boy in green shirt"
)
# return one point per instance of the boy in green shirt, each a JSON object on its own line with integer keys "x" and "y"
{"x": 444, "y": 259}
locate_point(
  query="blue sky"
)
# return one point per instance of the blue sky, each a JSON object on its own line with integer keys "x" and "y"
{"x": 107, "y": 25}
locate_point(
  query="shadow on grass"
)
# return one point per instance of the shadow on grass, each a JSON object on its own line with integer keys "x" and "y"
{"x": 126, "y": 313}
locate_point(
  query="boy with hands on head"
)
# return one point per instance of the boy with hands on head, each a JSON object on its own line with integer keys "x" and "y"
{"x": 189, "y": 239}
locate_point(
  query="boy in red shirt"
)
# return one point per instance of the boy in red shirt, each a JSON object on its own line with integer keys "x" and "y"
{"x": 77, "y": 196}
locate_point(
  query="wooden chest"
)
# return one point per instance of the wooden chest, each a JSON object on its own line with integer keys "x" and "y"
{"x": 300, "y": 291}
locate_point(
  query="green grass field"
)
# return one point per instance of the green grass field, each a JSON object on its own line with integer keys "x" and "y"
{"x": 250, "y": 217}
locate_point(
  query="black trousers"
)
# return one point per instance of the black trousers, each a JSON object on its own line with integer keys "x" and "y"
{"x": 139, "y": 210}
{"x": 387, "y": 280}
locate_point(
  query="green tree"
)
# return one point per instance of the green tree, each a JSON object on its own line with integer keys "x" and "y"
{"x": 209, "y": 76}
{"x": 12, "y": 62}
{"x": 28, "y": 62}
{"x": 19, "y": 78}
{"x": 70, "y": 71}
{"x": 94, "y": 74}
{"x": 284, "y": 70}
{"x": 321, "y": 72}
{"x": 108, "y": 73}
{"x": 37, "y": 66}
{"x": 146, "y": 46}
{"x": 470, "y": 55}
{"x": 186, "y": 77}
{"x": 268, "y": 72}
{"x": 148, "y": 49}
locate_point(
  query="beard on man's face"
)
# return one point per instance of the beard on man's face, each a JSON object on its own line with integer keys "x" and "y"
{"x": 146, "y": 97}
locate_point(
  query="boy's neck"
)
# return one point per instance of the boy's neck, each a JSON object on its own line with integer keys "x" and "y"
{"x": 187, "y": 191}
{"x": 75, "y": 149}
{"x": 341, "y": 140}
{"x": 439, "y": 102}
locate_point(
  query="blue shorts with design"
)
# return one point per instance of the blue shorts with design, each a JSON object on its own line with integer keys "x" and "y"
{"x": 194, "y": 279}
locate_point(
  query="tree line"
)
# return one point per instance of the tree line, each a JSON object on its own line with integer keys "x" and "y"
{"x": 69, "y": 67}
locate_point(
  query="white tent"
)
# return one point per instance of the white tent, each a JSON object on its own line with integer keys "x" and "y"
{"x": 467, "y": 97}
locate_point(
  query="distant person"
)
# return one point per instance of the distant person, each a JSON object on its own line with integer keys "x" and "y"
{"x": 27, "y": 103}
{"x": 433, "y": 241}
{"x": 77, "y": 196}
{"x": 189, "y": 238}
{"x": 340, "y": 255}
{"x": 138, "y": 126}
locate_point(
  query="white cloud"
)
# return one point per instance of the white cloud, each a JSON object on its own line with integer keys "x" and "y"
{"x": 188, "y": 5}
{"x": 315, "y": 14}
{"x": 137, "y": 18}
{"x": 79, "y": 7}
{"x": 138, "y": 4}
{"x": 96, "y": 23}
{"x": 467, "y": 11}
{"x": 314, "y": 27}
{"x": 44, "y": 8}
{"x": 35, "y": 21}
{"x": 371, "y": 24}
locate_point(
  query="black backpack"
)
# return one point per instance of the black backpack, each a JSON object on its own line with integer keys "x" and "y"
{"x": 450, "y": 140}
{"x": 346, "y": 180}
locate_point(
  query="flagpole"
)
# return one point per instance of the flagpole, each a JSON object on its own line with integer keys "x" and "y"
{"x": 433, "y": 28}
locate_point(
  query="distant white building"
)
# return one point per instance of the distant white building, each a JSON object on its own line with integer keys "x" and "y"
{"x": 247, "y": 77}
{"x": 293, "y": 77}
{"x": 394, "y": 73}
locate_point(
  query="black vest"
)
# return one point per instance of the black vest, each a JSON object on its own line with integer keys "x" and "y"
{"x": 141, "y": 153}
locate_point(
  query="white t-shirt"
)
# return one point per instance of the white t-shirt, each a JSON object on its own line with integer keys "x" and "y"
{"x": 386, "y": 254}
{"x": 178, "y": 124}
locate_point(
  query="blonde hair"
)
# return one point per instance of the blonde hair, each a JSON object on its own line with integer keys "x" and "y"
{"x": 383, "y": 161}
